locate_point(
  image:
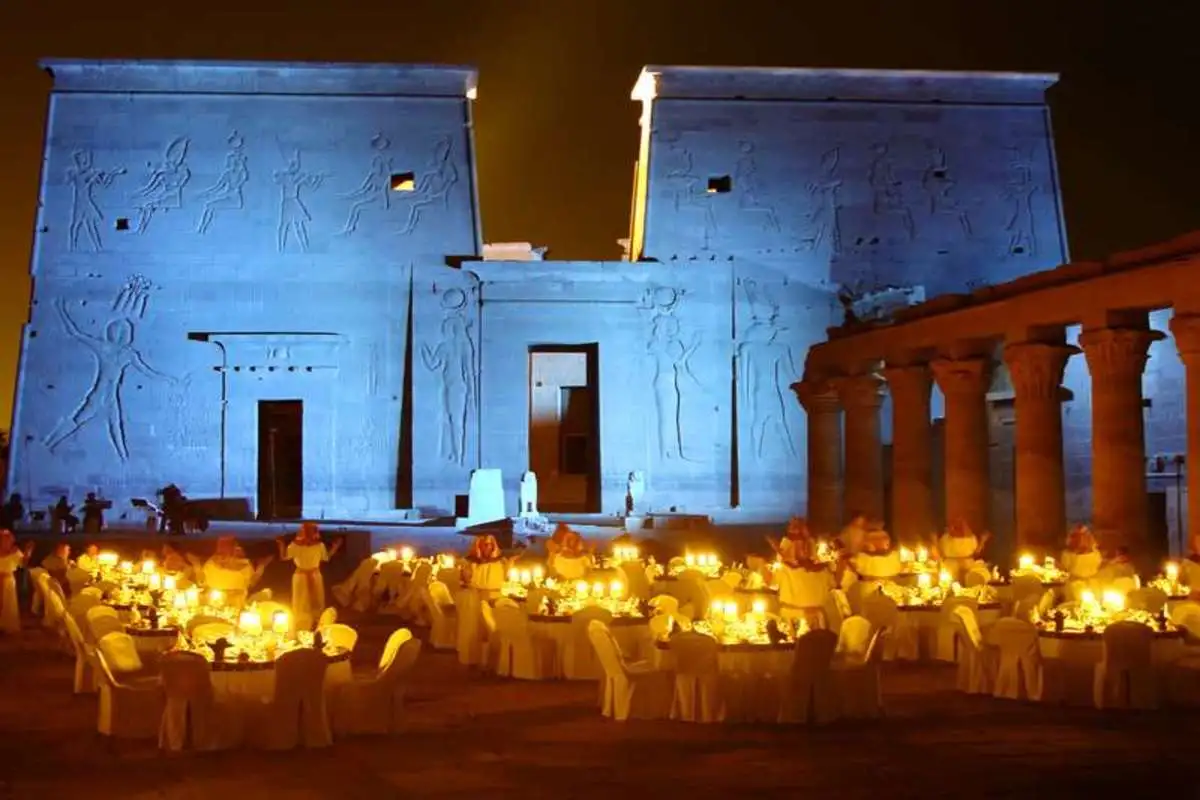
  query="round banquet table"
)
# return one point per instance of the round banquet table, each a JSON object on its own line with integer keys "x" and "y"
{"x": 921, "y": 636}
{"x": 751, "y": 675}
{"x": 632, "y": 635}
{"x": 767, "y": 594}
{"x": 1004, "y": 590}
{"x": 152, "y": 641}
{"x": 1070, "y": 659}
{"x": 255, "y": 680}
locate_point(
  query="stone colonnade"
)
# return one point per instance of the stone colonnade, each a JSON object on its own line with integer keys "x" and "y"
{"x": 1116, "y": 357}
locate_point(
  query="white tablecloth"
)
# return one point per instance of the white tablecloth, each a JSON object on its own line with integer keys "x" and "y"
{"x": 632, "y": 634}
{"x": 751, "y": 678}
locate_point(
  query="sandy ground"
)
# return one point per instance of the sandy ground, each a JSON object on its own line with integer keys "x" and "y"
{"x": 474, "y": 736}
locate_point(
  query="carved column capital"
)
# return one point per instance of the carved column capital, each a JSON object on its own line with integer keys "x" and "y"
{"x": 1117, "y": 352}
{"x": 1186, "y": 330}
{"x": 1036, "y": 368}
{"x": 859, "y": 391}
{"x": 817, "y": 396}
{"x": 966, "y": 376}
{"x": 914, "y": 380}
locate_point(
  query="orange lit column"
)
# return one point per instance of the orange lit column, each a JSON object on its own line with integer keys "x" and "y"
{"x": 861, "y": 396}
{"x": 912, "y": 465}
{"x": 820, "y": 402}
{"x": 964, "y": 382}
{"x": 1186, "y": 330}
{"x": 1036, "y": 370}
{"x": 1116, "y": 358}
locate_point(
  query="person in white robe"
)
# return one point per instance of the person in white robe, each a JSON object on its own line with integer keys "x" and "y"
{"x": 230, "y": 572}
{"x": 1081, "y": 559}
{"x": 12, "y": 558}
{"x": 959, "y": 549}
{"x": 87, "y": 560}
{"x": 878, "y": 560}
{"x": 485, "y": 566}
{"x": 569, "y": 558}
{"x": 804, "y": 582}
{"x": 854, "y": 534}
{"x": 308, "y": 553}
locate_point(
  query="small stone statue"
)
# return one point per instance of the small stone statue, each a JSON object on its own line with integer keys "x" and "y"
{"x": 528, "y": 496}
{"x": 635, "y": 490}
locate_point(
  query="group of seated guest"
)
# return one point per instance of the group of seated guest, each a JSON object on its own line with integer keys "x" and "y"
{"x": 568, "y": 555}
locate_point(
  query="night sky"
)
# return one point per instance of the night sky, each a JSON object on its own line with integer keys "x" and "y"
{"x": 557, "y": 132}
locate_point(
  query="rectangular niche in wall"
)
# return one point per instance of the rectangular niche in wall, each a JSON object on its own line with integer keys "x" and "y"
{"x": 280, "y": 459}
{"x": 564, "y": 426}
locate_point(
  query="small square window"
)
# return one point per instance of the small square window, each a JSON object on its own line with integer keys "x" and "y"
{"x": 122, "y": 223}
{"x": 720, "y": 184}
{"x": 404, "y": 182}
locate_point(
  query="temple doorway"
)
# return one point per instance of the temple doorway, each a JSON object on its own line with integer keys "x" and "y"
{"x": 280, "y": 459}
{"x": 564, "y": 426}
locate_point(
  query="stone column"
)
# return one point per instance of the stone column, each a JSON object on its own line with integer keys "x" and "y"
{"x": 964, "y": 382}
{"x": 1036, "y": 369}
{"x": 912, "y": 462}
{"x": 1186, "y": 330}
{"x": 1116, "y": 358}
{"x": 861, "y": 396}
{"x": 820, "y": 402}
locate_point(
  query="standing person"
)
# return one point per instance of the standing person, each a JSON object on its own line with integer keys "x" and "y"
{"x": 308, "y": 553}
{"x": 12, "y": 558}
{"x": 93, "y": 513}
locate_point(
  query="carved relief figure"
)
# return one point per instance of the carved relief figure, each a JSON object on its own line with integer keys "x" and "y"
{"x": 765, "y": 368}
{"x": 887, "y": 189}
{"x": 824, "y": 218}
{"x": 1019, "y": 189}
{"x": 115, "y": 354}
{"x": 670, "y": 359}
{"x": 163, "y": 190}
{"x": 293, "y": 214}
{"x": 453, "y": 360}
{"x": 86, "y": 215}
{"x": 376, "y": 189}
{"x": 687, "y": 194}
{"x": 131, "y": 301}
{"x": 434, "y": 186}
{"x": 226, "y": 193}
{"x": 745, "y": 183}
{"x": 939, "y": 187}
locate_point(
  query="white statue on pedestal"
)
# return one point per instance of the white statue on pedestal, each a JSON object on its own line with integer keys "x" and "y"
{"x": 635, "y": 490}
{"x": 528, "y": 507}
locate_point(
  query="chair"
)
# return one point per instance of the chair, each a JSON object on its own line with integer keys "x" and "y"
{"x": 261, "y": 596}
{"x": 636, "y": 580}
{"x": 856, "y": 680}
{"x": 355, "y": 591}
{"x": 267, "y": 609}
{"x": 471, "y": 641}
{"x": 717, "y": 589}
{"x": 126, "y": 711}
{"x": 211, "y": 631}
{"x": 203, "y": 619}
{"x": 884, "y": 614}
{"x": 732, "y": 578}
{"x": 1019, "y": 667}
{"x": 37, "y": 602}
{"x": 120, "y": 653}
{"x": 327, "y": 618}
{"x": 340, "y": 635}
{"x": 520, "y": 654}
{"x": 390, "y": 583}
{"x": 79, "y": 604}
{"x": 1025, "y": 608}
{"x": 974, "y": 667}
{"x": 296, "y": 712}
{"x": 665, "y": 604}
{"x": 697, "y": 696}
{"x": 85, "y": 677}
{"x": 854, "y": 637}
{"x": 579, "y": 657}
{"x": 977, "y": 576}
{"x": 631, "y": 689}
{"x": 409, "y": 605}
{"x": 1025, "y": 585}
{"x": 192, "y": 714}
{"x": 375, "y": 704}
{"x": 837, "y": 609}
{"x": 1182, "y": 610}
{"x": 808, "y": 693}
{"x": 442, "y": 616}
{"x": 945, "y": 636}
{"x": 100, "y": 621}
{"x": 1147, "y": 598}
{"x": 1124, "y": 677}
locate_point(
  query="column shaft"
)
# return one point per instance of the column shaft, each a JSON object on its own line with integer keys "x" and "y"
{"x": 820, "y": 402}
{"x": 1186, "y": 330}
{"x": 1036, "y": 370}
{"x": 912, "y": 457}
{"x": 861, "y": 397}
{"x": 964, "y": 383}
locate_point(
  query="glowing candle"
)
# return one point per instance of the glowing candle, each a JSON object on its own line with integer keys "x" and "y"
{"x": 406, "y": 553}
{"x": 759, "y": 607}
{"x": 1114, "y": 600}
{"x": 716, "y": 606}
{"x": 906, "y": 555}
{"x": 945, "y": 577}
{"x": 1087, "y": 598}
{"x": 169, "y": 583}
{"x": 614, "y": 589}
{"x": 513, "y": 575}
{"x": 1025, "y": 562}
{"x": 1172, "y": 571}
{"x": 924, "y": 580}
{"x": 127, "y": 567}
{"x": 922, "y": 554}
{"x": 280, "y": 623}
{"x": 148, "y": 567}
{"x": 448, "y": 562}
{"x": 581, "y": 588}
{"x": 155, "y": 580}
{"x": 108, "y": 559}
{"x": 180, "y": 601}
{"x": 216, "y": 598}
{"x": 598, "y": 589}
{"x": 538, "y": 572}
{"x": 689, "y": 559}
{"x": 250, "y": 622}
{"x": 731, "y": 611}
{"x": 193, "y": 596}
{"x": 526, "y": 577}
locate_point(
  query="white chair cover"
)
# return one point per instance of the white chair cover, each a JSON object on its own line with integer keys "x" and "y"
{"x": 1147, "y": 598}
{"x": 1124, "y": 677}
{"x": 1025, "y": 586}
{"x": 99, "y": 621}
{"x": 1019, "y": 667}
{"x": 410, "y": 606}
{"x": 732, "y": 578}
{"x": 126, "y": 711}
{"x": 120, "y": 652}
{"x": 631, "y": 690}
{"x": 809, "y": 693}
{"x": 211, "y": 631}
{"x": 356, "y": 591}
{"x": 837, "y": 609}
{"x": 340, "y": 635}
{"x": 698, "y": 695}
{"x": 443, "y": 621}
{"x": 37, "y": 602}
{"x": 579, "y": 660}
{"x": 471, "y": 639}
{"x": 857, "y": 679}
{"x": 328, "y": 617}
{"x": 636, "y": 580}
{"x": 974, "y": 667}
{"x": 902, "y": 642}
{"x": 192, "y": 714}
{"x": 665, "y": 604}
{"x": 79, "y": 604}
{"x": 854, "y": 638}
{"x": 296, "y": 714}
{"x": 85, "y": 678}
{"x": 946, "y": 634}
{"x": 375, "y": 705}
{"x": 520, "y": 653}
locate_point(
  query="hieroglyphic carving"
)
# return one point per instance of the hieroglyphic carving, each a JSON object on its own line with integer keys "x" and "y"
{"x": 293, "y": 214}
{"x": 227, "y": 192}
{"x": 453, "y": 360}
{"x": 86, "y": 215}
{"x": 671, "y": 368}
{"x": 766, "y": 368}
{"x": 745, "y": 183}
{"x": 115, "y": 354}
{"x": 434, "y": 185}
{"x": 687, "y": 193}
{"x": 939, "y": 188}
{"x": 163, "y": 190}
{"x": 824, "y": 216}
{"x": 887, "y": 190}
{"x": 375, "y": 191}
{"x": 1019, "y": 188}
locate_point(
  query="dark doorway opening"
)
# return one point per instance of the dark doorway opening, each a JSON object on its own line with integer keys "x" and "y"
{"x": 280, "y": 459}
{"x": 564, "y": 426}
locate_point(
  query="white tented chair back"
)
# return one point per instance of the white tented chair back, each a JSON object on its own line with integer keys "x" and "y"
{"x": 1125, "y": 677}
{"x": 126, "y": 711}
{"x": 809, "y": 693}
{"x": 946, "y": 635}
{"x": 1025, "y": 586}
{"x": 1182, "y": 610}
{"x": 296, "y": 713}
{"x": 491, "y": 642}
{"x": 884, "y": 614}
{"x": 635, "y": 578}
{"x": 857, "y": 680}
{"x": 91, "y": 591}
{"x": 391, "y": 580}
{"x": 697, "y": 678}
{"x": 1148, "y": 598}
{"x": 375, "y": 705}
{"x": 1019, "y": 671}
{"x": 411, "y": 602}
{"x": 85, "y": 678}
{"x": 660, "y": 626}
{"x": 78, "y": 606}
{"x": 339, "y": 635}
{"x": 733, "y": 578}
{"x": 120, "y": 652}
{"x": 977, "y": 575}
{"x": 192, "y": 715}
{"x": 505, "y": 602}
{"x": 519, "y": 653}
{"x": 37, "y": 602}
{"x": 267, "y": 609}
{"x": 471, "y": 638}
{"x": 355, "y": 591}
{"x": 693, "y": 575}
{"x": 634, "y": 690}
{"x": 450, "y": 576}
{"x": 1026, "y": 607}
{"x": 100, "y": 621}
{"x": 974, "y": 669}
{"x": 211, "y": 631}
{"x": 261, "y": 596}
{"x": 55, "y": 605}
{"x": 1125, "y": 584}
{"x": 854, "y": 638}
{"x": 836, "y": 609}
{"x": 442, "y": 619}
{"x": 327, "y": 618}
{"x": 204, "y": 619}
{"x": 579, "y": 656}
{"x": 717, "y": 589}
{"x": 665, "y": 604}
